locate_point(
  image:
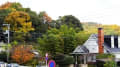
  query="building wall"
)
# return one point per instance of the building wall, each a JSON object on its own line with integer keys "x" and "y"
{"x": 91, "y": 58}
{"x": 117, "y": 56}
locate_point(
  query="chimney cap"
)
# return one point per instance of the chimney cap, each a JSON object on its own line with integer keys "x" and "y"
{"x": 100, "y": 28}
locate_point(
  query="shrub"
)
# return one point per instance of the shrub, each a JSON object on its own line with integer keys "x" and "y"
{"x": 3, "y": 56}
{"x": 110, "y": 64}
{"x": 103, "y": 56}
{"x": 91, "y": 65}
{"x": 64, "y": 59}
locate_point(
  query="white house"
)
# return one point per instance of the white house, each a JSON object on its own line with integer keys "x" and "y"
{"x": 98, "y": 44}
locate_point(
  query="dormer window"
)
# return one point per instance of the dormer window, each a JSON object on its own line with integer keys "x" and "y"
{"x": 112, "y": 41}
{"x": 118, "y": 41}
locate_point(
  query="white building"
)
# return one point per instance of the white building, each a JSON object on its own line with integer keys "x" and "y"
{"x": 97, "y": 44}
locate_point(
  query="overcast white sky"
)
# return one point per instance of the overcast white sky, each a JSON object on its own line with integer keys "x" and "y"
{"x": 101, "y": 11}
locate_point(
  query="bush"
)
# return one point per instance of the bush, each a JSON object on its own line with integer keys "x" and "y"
{"x": 63, "y": 65}
{"x": 3, "y": 56}
{"x": 68, "y": 60}
{"x": 64, "y": 59}
{"x": 91, "y": 65}
{"x": 32, "y": 63}
{"x": 103, "y": 56}
{"x": 110, "y": 64}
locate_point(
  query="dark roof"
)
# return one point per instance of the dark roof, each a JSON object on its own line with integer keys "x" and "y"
{"x": 107, "y": 43}
{"x": 81, "y": 50}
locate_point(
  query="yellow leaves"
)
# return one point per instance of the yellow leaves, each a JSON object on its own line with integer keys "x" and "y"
{"x": 13, "y": 9}
{"x": 108, "y": 29}
{"x": 19, "y": 21}
{"x": 111, "y": 29}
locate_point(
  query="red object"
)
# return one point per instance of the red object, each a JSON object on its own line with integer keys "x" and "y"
{"x": 100, "y": 40}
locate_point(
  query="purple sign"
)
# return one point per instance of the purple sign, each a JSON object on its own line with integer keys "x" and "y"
{"x": 46, "y": 58}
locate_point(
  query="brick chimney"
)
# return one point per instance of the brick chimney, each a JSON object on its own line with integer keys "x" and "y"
{"x": 100, "y": 40}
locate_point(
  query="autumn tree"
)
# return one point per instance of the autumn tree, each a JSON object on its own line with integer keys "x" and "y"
{"x": 19, "y": 24}
{"x": 7, "y": 8}
{"x": 22, "y": 54}
{"x": 19, "y": 21}
{"x": 12, "y": 6}
{"x": 6, "y": 5}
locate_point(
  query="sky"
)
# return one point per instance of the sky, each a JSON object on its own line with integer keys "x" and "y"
{"x": 100, "y": 11}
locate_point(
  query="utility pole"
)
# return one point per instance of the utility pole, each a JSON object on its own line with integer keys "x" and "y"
{"x": 8, "y": 42}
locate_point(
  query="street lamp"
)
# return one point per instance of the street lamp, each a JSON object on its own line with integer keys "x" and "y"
{"x": 7, "y": 32}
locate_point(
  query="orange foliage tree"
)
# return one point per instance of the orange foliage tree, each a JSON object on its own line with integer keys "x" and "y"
{"x": 6, "y": 5}
{"x": 47, "y": 18}
{"x": 9, "y": 5}
{"x": 22, "y": 54}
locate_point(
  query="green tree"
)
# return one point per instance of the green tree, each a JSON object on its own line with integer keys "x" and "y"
{"x": 81, "y": 37}
{"x": 40, "y": 22}
{"x": 40, "y": 25}
{"x": 68, "y": 35}
{"x": 58, "y": 40}
{"x": 50, "y": 44}
{"x": 71, "y": 21}
{"x": 3, "y": 14}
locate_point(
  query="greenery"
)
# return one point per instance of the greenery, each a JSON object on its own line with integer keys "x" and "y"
{"x": 103, "y": 56}
{"x": 110, "y": 64}
{"x": 63, "y": 59}
{"x": 63, "y": 40}
{"x": 3, "y": 56}
{"x": 46, "y": 35}
{"x": 71, "y": 21}
{"x": 91, "y": 65}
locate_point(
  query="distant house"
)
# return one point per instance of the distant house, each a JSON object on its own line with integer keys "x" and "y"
{"x": 98, "y": 44}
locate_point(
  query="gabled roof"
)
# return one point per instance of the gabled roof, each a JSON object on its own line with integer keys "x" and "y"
{"x": 80, "y": 50}
{"x": 91, "y": 45}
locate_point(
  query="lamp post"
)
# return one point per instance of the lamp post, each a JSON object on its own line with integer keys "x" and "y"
{"x": 8, "y": 33}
